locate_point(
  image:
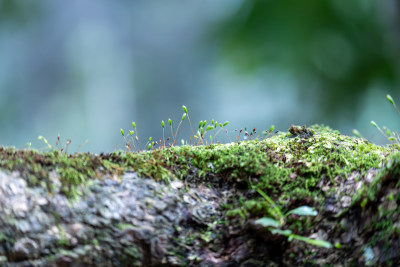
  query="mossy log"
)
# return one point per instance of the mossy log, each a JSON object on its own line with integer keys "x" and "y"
{"x": 201, "y": 205}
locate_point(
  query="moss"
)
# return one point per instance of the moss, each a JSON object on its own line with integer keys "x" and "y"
{"x": 389, "y": 173}
{"x": 287, "y": 167}
{"x": 35, "y": 167}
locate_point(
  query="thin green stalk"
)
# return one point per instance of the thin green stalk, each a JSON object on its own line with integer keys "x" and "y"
{"x": 379, "y": 129}
{"x": 163, "y": 126}
{"x": 190, "y": 124}
{"x": 179, "y": 125}
{"x": 136, "y": 135}
{"x": 172, "y": 129}
{"x": 393, "y": 103}
{"x": 274, "y": 206}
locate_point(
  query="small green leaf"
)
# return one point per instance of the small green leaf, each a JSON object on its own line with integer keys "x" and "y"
{"x": 150, "y": 139}
{"x": 281, "y": 232}
{"x": 209, "y": 128}
{"x": 315, "y": 242}
{"x": 162, "y": 124}
{"x": 363, "y": 203}
{"x": 212, "y": 121}
{"x": 216, "y": 124}
{"x": 122, "y": 132}
{"x": 131, "y": 133}
{"x": 184, "y": 109}
{"x": 201, "y": 130}
{"x": 226, "y": 123}
{"x": 133, "y": 124}
{"x": 220, "y": 125}
{"x": 149, "y": 147}
{"x": 268, "y": 222}
{"x": 303, "y": 211}
{"x": 374, "y": 124}
{"x": 390, "y": 99}
{"x": 271, "y": 128}
{"x": 40, "y": 137}
{"x": 170, "y": 122}
{"x": 319, "y": 243}
{"x": 204, "y": 123}
{"x": 200, "y": 124}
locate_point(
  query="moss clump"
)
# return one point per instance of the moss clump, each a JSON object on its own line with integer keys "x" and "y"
{"x": 375, "y": 212}
{"x": 287, "y": 167}
{"x": 36, "y": 168}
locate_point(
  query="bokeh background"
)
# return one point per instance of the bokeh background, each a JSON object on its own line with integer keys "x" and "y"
{"x": 86, "y": 69}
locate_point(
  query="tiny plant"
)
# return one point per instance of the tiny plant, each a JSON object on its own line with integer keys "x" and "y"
{"x": 60, "y": 147}
{"x": 41, "y": 138}
{"x": 393, "y": 137}
{"x": 214, "y": 128}
{"x": 278, "y": 221}
{"x": 132, "y": 139}
{"x": 58, "y": 144}
{"x": 163, "y": 126}
{"x": 179, "y": 125}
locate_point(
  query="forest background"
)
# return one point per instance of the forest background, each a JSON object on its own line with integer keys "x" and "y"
{"x": 85, "y": 69}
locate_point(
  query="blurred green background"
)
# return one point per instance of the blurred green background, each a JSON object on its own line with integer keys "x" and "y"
{"x": 85, "y": 69}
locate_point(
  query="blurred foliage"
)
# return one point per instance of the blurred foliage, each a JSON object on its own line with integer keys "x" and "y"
{"x": 335, "y": 49}
{"x": 17, "y": 12}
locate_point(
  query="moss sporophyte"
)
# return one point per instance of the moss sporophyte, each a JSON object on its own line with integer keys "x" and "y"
{"x": 391, "y": 136}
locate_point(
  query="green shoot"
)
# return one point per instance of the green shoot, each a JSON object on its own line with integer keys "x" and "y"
{"x": 275, "y": 209}
{"x": 186, "y": 112}
{"x": 58, "y": 144}
{"x": 214, "y": 128}
{"x": 136, "y": 135}
{"x": 393, "y": 137}
{"x": 45, "y": 141}
{"x": 163, "y": 125}
{"x": 179, "y": 125}
{"x": 172, "y": 129}
{"x": 149, "y": 143}
{"x": 390, "y": 99}
{"x": 379, "y": 129}
{"x": 275, "y": 224}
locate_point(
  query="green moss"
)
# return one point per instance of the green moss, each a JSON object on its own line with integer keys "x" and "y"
{"x": 389, "y": 172}
{"x": 287, "y": 166}
{"x": 74, "y": 170}
{"x": 379, "y": 201}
